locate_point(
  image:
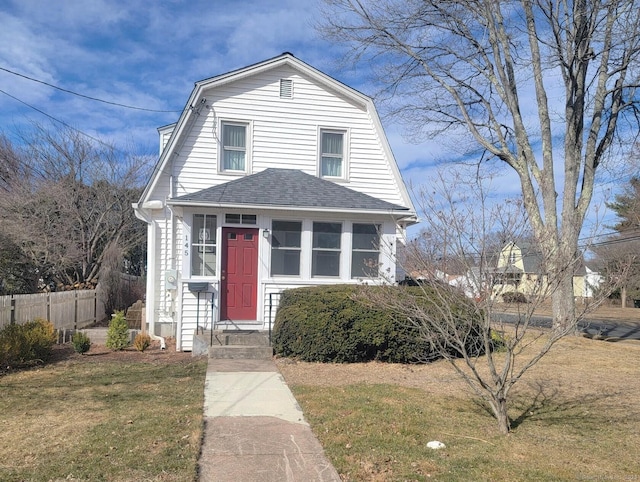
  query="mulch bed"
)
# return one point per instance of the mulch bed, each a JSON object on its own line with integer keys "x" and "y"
{"x": 99, "y": 353}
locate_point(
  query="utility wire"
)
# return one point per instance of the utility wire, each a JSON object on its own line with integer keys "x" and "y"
{"x": 85, "y": 96}
{"x": 56, "y": 120}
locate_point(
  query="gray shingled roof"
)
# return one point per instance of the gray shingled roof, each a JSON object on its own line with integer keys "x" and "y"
{"x": 532, "y": 259}
{"x": 286, "y": 188}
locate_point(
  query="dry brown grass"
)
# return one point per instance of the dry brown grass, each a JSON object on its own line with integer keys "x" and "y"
{"x": 608, "y": 311}
{"x": 576, "y": 416}
{"x": 123, "y": 416}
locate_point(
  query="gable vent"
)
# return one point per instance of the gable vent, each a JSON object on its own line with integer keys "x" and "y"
{"x": 286, "y": 88}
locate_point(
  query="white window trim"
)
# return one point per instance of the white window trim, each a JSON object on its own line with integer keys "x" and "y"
{"x": 248, "y": 146}
{"x": 346, "y": 148}
{"x": 353, "y": 250}
{"x": 186, "y": 245}
{"x": 340, "y": 251}
{"x": 241, "y": 223}
{"x": 301, "y": 249}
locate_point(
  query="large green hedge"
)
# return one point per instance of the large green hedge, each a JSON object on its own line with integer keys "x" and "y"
{"x": 336, "y": 324}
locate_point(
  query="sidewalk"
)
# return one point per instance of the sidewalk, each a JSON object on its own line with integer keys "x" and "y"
{"x": 255, "y": 430}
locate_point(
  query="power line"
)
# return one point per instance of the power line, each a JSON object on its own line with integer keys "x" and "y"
{"x": 617, "y": 240}
{"x": 56, "y": 120}
{"x": 85, "y": 96}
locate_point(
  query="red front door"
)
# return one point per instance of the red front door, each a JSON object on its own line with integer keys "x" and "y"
{"x": 239, "y": 282}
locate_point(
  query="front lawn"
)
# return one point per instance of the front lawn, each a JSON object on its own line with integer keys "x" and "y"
{"x": 576, "y": 416}
{"x": 130, "y": 418}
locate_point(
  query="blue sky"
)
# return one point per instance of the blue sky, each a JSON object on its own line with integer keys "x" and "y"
{"x": 149, "y": 54}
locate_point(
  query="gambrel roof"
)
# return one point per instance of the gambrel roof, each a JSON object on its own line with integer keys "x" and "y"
{"x": 532, "y": 259}
{"x": 287, "y": 188}
{"x": 180, "y": 131}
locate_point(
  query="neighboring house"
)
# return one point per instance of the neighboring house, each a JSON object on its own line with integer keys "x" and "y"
{"x": 275, "y": 176}
{"x": 520, "y": 268}
{"x": 473, "y": 283}
{"x": 589, "y": 283}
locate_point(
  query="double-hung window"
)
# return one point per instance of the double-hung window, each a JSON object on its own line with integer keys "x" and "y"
{"x": 203, "y": 245}
{"x": 234, "y": 146}
{"x": 365, "y": 251}
{"x": 332, "y": 153}
{"x": 286, "y": 244}
{"x": 325, "y": 258}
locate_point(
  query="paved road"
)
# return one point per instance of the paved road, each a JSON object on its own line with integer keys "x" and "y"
{"x": 606, "y": 329}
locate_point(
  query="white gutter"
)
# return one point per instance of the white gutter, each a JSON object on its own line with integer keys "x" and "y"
{"x": 201, "y": 204}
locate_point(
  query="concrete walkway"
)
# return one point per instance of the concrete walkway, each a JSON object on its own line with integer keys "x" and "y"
{"x": 254, "y": 428}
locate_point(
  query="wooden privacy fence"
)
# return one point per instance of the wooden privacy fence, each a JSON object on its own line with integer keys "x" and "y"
{"x": 65, "y": 309}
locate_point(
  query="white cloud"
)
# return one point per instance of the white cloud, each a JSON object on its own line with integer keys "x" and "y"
{"x": 149, "y": 54}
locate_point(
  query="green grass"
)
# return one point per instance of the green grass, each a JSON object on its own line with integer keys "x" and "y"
{"x": 380, "y": 432}
{"x": 102, "y": 421}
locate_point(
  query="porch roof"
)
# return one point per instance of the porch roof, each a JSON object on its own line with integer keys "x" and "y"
{"x": 286, "y": 188}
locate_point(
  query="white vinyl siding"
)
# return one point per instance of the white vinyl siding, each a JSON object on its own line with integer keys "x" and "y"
{"x": 283, "y": 134}
{"x": 196, "y": 314}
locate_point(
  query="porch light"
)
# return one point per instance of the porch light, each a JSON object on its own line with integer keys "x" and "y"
{"x": 265, "y": 233}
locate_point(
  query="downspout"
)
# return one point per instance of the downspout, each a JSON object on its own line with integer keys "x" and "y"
{"x": 171, "y": 251}
{"x": 144, "y": 214}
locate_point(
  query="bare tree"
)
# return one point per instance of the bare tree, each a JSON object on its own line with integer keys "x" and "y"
{"x": 623, "y": 248}
{"x": 490, "y": 344}
{"x": 543, "y": 86}
{"x": 72, "y": 203}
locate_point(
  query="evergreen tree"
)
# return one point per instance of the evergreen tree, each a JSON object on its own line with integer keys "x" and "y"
{"x": 620, "y": 253}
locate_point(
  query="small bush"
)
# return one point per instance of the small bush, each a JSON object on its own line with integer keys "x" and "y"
{"x": 498, "y": 340}
{"x": 13, "y": 345}
{"x": 81, "y": 342}
{"x": 327, "y": 324}
{"x": 514, "y": 297}
{"x": 142, "y": 341}
{"x": 31, "y": 341}
{"x": 118, "y": 332}
{"x": 41, "y": 336}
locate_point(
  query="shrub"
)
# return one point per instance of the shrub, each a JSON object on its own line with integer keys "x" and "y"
{"x": 41, "y": 336}
{"x": 118, "y": 332}
{"x": 498, "y": 340}
{"x": 81, "y": 342}
{"x": 142, "y": 341}
{"x": 327, "y": 324}
{"x": 514, "y": 297}
{"x": 31, "y": 341}
{"x": 13, "y": 345}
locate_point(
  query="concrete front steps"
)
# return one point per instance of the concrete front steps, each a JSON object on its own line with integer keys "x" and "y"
{"x": 233, "y": 345}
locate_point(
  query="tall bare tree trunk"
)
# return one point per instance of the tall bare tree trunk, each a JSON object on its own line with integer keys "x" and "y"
{"x": 562, "y": 302}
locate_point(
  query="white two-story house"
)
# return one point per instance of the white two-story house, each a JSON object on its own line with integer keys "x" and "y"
{"x": 275, "y": 176}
